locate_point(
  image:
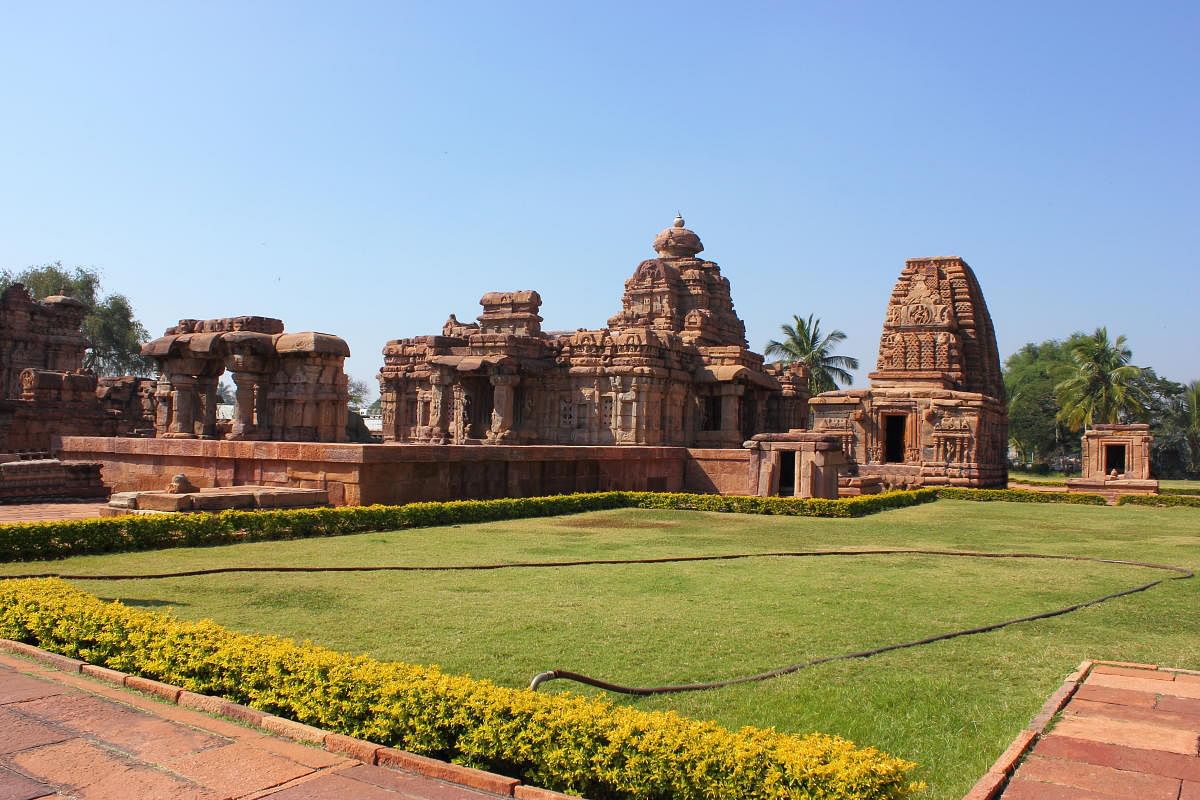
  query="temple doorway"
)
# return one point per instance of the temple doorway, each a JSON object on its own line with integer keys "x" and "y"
{"x": 787, "y": 473}
{"x": 895, "y": 426}
{"x": 1114, "y": 459}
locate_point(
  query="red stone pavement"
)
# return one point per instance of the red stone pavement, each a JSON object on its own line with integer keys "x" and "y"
{"x": 64, "y": 735}
{"x": 1126, "y": 732}
{"x": 49, "y": 512}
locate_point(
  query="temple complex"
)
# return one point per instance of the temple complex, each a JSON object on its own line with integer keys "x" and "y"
{"x": 935, "y": 413}
{"x": 672, "y": 367}
{"x": 290, "y": 386}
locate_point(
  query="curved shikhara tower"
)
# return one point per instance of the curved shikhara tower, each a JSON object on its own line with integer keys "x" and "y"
{"x": 935, "y": 413}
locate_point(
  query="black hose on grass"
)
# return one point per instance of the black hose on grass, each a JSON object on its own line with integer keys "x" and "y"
{"x": 1182, "y": 573}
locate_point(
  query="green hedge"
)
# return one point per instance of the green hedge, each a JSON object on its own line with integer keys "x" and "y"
{"x": 582, "y": 745}
{"x": 1158, "y": 500}
{"x": 48, "y": 540}
{"x": 1022, "y": 496}
{"x": 1180, "y": 490}
{"x": 782, "y": 506}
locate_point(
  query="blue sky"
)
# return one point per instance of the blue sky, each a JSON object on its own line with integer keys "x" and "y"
{"x": 366, "y": 169}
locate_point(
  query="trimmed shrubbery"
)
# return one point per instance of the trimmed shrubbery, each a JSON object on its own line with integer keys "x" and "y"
{"x": 588, "y": 746}
{"x": 1022, "y": 496}
{"x": 1158, "y": 500}
{"x": 49, "y": 540}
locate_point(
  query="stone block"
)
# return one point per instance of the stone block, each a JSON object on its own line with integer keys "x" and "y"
{"x": 290, "y": 498}
{"x": 221, "y": 501}
{"x": 162, "y": 501}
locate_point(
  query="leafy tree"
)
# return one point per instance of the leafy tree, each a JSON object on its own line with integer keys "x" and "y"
{"x": 803, "y": 344}
{"x": 359, "y": 391}
{"x": 114, "y": 332}
{"x": 1102, "y": 386}
{"x": 225, "y": 393}
{"x": 1030, "y": 377}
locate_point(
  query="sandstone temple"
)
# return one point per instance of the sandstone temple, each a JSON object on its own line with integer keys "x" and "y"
{"x": 668, "y": 396}
{"x": 935, "y": 413}
{"x": 671, "y": 368}
{"x": 289, "y": 386}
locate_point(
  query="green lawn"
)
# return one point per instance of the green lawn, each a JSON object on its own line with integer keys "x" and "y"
{"x": 952, "y": 706}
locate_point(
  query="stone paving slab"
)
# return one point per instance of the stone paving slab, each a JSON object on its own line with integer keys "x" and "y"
{"x": 1125, "y": 732}
{"x": 49, "y": 512}
{"x": 69, "y": 736}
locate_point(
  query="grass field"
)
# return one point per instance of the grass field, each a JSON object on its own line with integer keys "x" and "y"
{"x": 952, "y": 706}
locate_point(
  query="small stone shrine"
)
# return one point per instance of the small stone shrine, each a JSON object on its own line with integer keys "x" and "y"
{"x": 935, "y": 413}
{"x": 673, "y": 367}
{"x": 290, "y": 386}
{"x": 1116, "y": 459}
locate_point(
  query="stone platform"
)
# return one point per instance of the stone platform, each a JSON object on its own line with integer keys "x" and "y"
{"x": 363, "y": 474}
{"x": 32, "y": 480}
{"x": 217, "y": 499}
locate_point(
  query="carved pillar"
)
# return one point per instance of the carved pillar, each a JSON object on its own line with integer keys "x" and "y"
{"x": 183, "y": 401}
{"x": 439, "y": 407}
{"x": 243, "y": 420}
{"x": 502, "y": 407}
{"x": 208, "y": 392}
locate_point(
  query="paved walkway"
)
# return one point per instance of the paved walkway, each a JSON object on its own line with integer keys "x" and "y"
{"x": 65, "y": 735}
{"x": 49, "y": 512}
{"x": 1127, "y": 733}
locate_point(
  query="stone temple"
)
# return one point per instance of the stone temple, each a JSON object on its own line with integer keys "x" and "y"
{"x": 667, "y": 396}
{"x": 935, "y": 413}
{"x": 672, "y": 367}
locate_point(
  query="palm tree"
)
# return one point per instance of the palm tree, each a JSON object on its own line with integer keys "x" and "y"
{"x": 1191, "y": 423}
{"x": 803, "y": 344}
{"x": 1103, "y": 387}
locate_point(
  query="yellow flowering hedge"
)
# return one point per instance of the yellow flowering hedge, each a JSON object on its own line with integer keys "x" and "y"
{"x": 587, "y": 746}
{"x": 46, "y": 540}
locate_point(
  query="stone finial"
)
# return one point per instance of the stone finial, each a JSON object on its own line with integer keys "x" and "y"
{"x": 677, "y": 241}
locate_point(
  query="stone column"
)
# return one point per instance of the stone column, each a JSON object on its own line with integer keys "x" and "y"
{"x": 439, "y": 407}
{"x": 208, "y": 388}
{"x": 183, "y": 402}
{"x": 502, "y": 407}
{"x": 243, "y": 421}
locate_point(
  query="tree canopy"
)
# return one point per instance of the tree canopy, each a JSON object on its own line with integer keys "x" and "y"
{"x": 803, "y": 344}
{"x": 115, "y": 334}
{"x": 1088, "y": 379}
{"x": 1101, "y": 386}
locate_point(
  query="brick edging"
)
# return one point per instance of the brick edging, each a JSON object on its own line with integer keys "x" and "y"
{"x": 994, "y": 780}
{"x": 347, "y": 746}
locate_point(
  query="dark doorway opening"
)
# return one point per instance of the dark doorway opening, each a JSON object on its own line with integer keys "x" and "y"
{"x": 787, "y": 474}
{"x": 480, "y": 400}
{"x": 894, "y": 438}
{"x": 749, "y": 418}
{"x": 1114, "y": 458}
